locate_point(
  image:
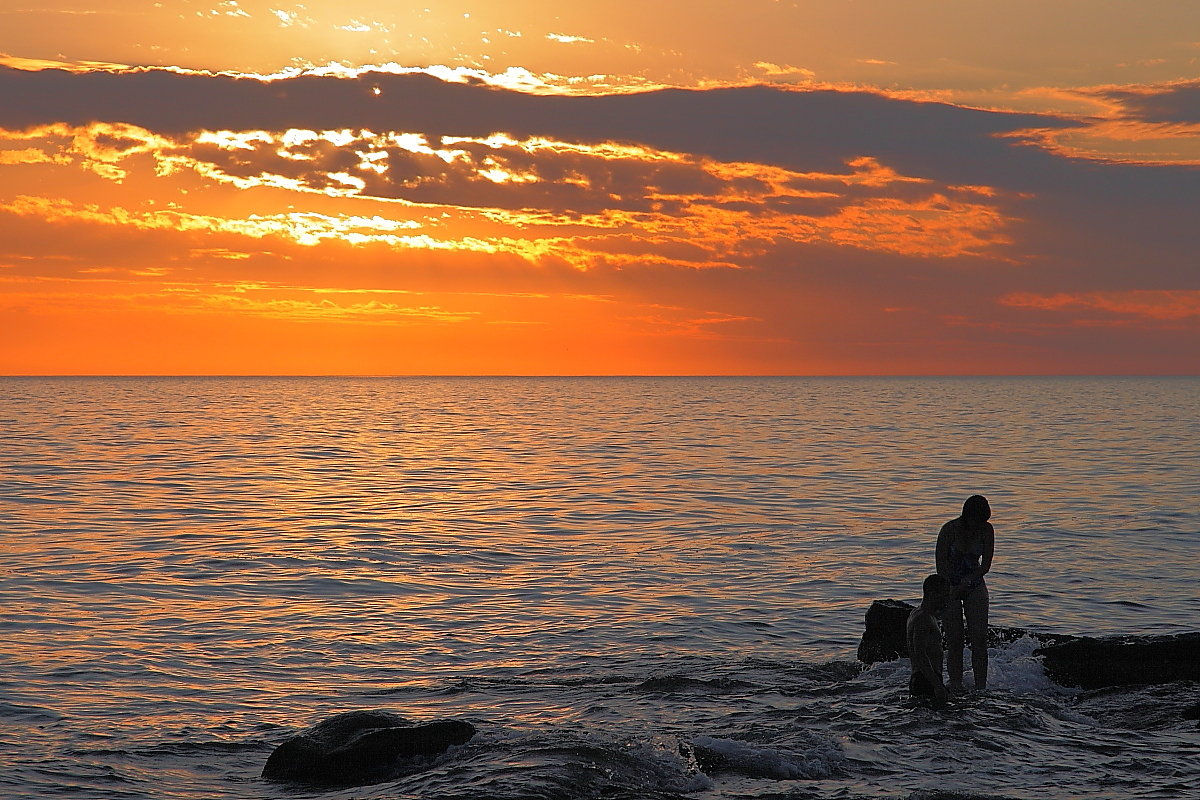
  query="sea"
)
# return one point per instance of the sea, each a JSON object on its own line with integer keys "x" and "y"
{"x": 605, "y": 576}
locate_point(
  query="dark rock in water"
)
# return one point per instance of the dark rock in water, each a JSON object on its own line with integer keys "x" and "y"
{"x": 1087, "y": 662}
{"x": 360, "y": 747}
{"x": 1123, "y": 660}
{"x": 884, "y": 637}
{"x": 1192, "y": 712}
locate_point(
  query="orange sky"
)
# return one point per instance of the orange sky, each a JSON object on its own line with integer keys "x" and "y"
{"x": 525, "y": 188}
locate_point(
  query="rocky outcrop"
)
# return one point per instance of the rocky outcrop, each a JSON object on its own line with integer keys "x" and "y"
{"x": 883, "y": 638}
{"x": 1123, "y": 660}
{"x": 360, "y": 747}
{"x": 1087, "y": 662}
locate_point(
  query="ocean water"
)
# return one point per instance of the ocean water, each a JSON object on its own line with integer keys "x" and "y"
{"x": 603, "y": 575}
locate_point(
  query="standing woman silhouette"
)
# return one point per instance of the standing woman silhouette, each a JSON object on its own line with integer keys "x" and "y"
{"x": 964, "y": 555}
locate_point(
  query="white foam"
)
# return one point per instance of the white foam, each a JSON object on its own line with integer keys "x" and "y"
{"x": 888, "y": 673}
{"x": 678, "y": 772}
{"x": 1013, "y": 667}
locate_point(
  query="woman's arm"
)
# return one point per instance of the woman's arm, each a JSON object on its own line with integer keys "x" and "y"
{"x": 989, "y": 549}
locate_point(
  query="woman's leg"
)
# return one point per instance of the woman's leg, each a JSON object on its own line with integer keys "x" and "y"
{"x": 952, "y": 621}
{"x": 975, "y": 606}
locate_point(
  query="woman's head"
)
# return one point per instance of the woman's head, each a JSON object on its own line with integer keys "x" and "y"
{"x": 976, "y": 509}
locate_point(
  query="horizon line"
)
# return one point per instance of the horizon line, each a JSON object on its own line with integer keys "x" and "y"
{"x": 602, "y": 375}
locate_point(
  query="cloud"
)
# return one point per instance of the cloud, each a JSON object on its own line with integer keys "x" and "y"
{"x": 802, "y": 130}
{"x": 638, "y": 204}
{"x": 819, "y": 227}
{"x": 563, "y": 38}
{"x": 1154, "y": 305}
{"x": 1168, "y": 103}
{"x": 65, "y": 11}
{"x": 772, "y": 70}
{"x": 325, "y": 310}
{"x": 700, "y": 167}
{"x": 1155, "y": 124}
{"x": 36, "y": 64}
{"x": 29, "y": 155}
{"x": 304, "y": 228}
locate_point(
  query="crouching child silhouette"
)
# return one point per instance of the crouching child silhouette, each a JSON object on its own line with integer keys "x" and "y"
{"x": 924, "y": 637}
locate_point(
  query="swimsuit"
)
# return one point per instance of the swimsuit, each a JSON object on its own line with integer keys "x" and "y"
{"x": 960, "y": 563}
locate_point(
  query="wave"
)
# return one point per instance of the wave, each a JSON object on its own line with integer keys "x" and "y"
{"x": 707, "y": 728}
{"x": 176, "y": 749}
{"x": 673, "y": 684}
{"x": 821, "y": 758}
{"x": 14, "y": 711}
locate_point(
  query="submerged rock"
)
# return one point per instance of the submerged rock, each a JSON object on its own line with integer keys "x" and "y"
{"x": 1087, "y": 662}
{"x": 360, "y": 747}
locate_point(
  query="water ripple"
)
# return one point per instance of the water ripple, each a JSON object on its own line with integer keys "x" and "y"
{"x": 648, "y": 561}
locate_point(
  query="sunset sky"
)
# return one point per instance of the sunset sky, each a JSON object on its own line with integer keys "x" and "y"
{"x": 525, "y": 187}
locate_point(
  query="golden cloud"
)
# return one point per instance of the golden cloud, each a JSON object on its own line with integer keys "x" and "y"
{"x": 305, "y": 228}
{"x": 607, "y": 203}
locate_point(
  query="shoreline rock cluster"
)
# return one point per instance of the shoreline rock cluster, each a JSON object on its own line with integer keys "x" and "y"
{"x": 1083, "y": 661}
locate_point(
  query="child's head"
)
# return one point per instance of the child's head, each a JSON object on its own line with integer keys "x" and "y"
{"x": 936, "y": 588}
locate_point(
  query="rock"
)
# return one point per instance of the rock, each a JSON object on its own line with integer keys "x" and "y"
{"x": 1090, "y": 663}
{"x": 1123, "y": 660}
{"x": 884, "y": 638}
{"x": 360, "y": 747}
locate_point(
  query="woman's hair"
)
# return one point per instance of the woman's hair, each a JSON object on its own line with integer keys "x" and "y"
{"x": 976, "y": 509}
